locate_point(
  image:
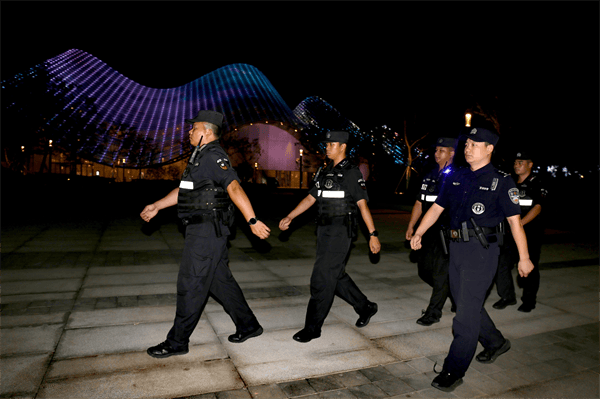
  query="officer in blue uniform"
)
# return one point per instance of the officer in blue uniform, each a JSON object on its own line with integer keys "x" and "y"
{"x": 532, "y": 194}
{"x": 340, "y": 192}
{"x": 204, "y": 203}
{"x": 478, "y": 198}
{"x": 433, "y": 260}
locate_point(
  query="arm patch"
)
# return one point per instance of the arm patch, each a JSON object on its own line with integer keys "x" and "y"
{"x": 223, "y": 163}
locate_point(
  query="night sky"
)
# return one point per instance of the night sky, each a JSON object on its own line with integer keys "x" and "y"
{"x": 378, "y": 63}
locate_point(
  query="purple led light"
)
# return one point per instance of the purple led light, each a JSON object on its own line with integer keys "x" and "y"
{"x": 156, "y": 115}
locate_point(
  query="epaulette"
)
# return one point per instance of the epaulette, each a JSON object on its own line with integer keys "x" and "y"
{"x": 345, "y": 164}
{"x": 501, "y": 172}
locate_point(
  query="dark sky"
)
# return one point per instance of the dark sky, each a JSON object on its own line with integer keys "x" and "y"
{"x": 376, "y": 62}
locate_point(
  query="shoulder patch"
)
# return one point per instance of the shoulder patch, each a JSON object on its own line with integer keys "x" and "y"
{"x": 223, "y": 163}
{"x": 513, "y": 194}
{"x": 362, "y": 184}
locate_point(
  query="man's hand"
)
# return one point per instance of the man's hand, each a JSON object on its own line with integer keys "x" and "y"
{"x": 374, "y": 244}
{"x": 149, "y": 212}
{"x": 284, "y": 224}
{"x": 260, "y": 230}
{"x": 525, "y": 267}
{"x": 409, "y": 233}
{"x": 415, "y": 242}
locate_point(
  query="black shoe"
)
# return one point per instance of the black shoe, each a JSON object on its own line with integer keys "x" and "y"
{"x": 526, "y": 308}
{"x": 502, "y": 303}
{"x": 428, "y": 319}
{"x": 489, "y": 355}
{"x": 453, "y": 309}
{"x": 305, "y": 335}
{"x": 364, "y": 319}
{"x": 240, "y": 337}
{"x": 446, "y": 382}
{"x": 165, "y": 350}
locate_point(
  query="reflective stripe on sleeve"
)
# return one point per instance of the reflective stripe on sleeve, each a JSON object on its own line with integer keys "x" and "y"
{"x": 430, "y": 198}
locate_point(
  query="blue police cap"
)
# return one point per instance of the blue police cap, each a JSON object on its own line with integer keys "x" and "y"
{"x": 336, "y": 137}
{"x": 445, "y": 142}
{"x": 523, "y": 155}
{"x": 480, "y": 134}
{"x": 214, "y": 117}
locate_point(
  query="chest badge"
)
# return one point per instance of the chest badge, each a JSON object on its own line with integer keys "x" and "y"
{"x": 478, "y": 208}
{"x": 328, "y": 184}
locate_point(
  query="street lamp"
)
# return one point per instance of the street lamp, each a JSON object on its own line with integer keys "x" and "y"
{"x": 301, "y": 168}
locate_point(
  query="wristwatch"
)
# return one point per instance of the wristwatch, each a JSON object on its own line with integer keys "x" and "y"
{"x": 374, "y": 233}
{"x": 252, "y": 221}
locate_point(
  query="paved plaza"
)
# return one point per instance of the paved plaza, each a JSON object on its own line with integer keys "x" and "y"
{"x": 83, "y": 299}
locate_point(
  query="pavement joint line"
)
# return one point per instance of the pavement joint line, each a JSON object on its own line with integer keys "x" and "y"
{"x": 555, "y": 366}
{"x": 50, "y": 361}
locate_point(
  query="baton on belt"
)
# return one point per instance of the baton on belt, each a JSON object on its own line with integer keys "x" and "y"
{"x": 480, "y": 235}
{"x": 216, "y": 222}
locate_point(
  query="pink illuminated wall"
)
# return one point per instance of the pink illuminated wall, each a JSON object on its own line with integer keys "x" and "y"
{"x": 279, "y": 148}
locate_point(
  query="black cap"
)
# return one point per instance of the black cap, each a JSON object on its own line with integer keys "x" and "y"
{"x": 524, "y": 155}
{"x": 214, "y": 117}
{"x": 445, "y": 142}
{"x": 336, "y": 137}
{"x": 480, "y": 134}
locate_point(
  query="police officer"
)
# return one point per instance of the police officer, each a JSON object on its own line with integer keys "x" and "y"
{"x": 478, "y": 198}
{"x": 433, "y": 262}
{"x": 204, "y": 202}
{"x": 532, "y": 195}
{"x": 339, "y": 192}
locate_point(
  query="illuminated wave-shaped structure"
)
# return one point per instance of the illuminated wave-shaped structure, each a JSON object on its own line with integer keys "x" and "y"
{"x": 317, "y": 116}
{"x": 93, "y": 112}
{"x": 101, "y": 115}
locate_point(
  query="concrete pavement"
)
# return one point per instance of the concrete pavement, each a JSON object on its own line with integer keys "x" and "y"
{"x": 83, "y": 299}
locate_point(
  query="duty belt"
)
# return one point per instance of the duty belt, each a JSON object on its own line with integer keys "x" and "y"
{"x": 207, "y": 217}
{"x": 460, "y": 234}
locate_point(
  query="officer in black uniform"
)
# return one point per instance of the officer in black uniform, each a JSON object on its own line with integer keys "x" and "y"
{"x": 478, "y": 198}
{"x": 204, "y": 202}
{"x": 339, "y": 192}
{"x": 532, "y": 195}
{"x": 433, "y": 260}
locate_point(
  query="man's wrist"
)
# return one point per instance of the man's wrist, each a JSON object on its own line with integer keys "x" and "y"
{"x": 252, "y": 221}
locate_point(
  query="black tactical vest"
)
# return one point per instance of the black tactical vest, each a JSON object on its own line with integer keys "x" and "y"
{"x": 333, "y": 198}
{"x": 198, "y": 197}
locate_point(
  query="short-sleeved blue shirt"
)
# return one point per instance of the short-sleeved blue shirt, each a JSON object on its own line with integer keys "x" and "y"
{"x": 486, "y": 195}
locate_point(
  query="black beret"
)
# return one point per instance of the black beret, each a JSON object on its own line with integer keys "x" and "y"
{"x": 214, "y": 117}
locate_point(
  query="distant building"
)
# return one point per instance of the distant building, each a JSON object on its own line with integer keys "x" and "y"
{"x": 77, "y": 115}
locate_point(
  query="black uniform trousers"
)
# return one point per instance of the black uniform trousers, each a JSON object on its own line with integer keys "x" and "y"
{"x": 433, "y": 270}
{"x": 472, "y": 271}
{"x": 509, "y": 256}
{"x": 329, "y": 277}
{"x": 204, "y": 271}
